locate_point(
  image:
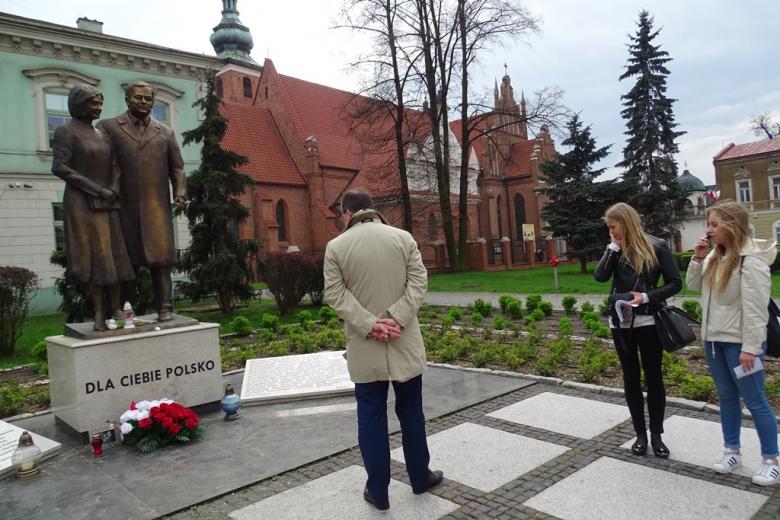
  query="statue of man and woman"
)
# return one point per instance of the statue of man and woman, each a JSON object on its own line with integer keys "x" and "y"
{"x": 118, "y": 215}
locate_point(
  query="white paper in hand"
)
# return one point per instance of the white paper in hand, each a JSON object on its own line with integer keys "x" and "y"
{"x": 619, "y": 306}
{"x": 757, "y": 366}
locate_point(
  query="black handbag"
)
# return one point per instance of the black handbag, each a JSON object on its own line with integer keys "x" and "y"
{"x": 773, "y": 330}
{"x": 673, "y": 329}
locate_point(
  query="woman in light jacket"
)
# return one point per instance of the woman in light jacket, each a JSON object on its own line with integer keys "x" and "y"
{"x": 635, "y": 261}
{"x": 735, "y": 284}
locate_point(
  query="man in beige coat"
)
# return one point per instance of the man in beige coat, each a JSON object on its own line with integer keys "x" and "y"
{"x": 375, "y": 280}
{"x": 149, "y": 158}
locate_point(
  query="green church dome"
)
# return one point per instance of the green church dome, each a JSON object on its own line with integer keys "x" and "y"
{"x": 231, "y": 39}
{"x": 690, "y": 182}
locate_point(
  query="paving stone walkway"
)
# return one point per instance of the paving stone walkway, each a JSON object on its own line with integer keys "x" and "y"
{"x": 543, "y": 451}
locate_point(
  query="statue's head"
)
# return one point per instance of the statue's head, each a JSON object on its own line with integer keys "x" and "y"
{"x": 85, "y": 102}
{"x": 139, "y": 97}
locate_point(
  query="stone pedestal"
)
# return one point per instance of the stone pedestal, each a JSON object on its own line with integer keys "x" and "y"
{"x": 92, "y": 381}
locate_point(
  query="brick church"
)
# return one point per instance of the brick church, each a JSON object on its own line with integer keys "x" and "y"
{"x": 306, "y": 147}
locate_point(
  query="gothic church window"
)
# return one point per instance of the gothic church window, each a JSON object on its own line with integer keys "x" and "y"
{"x": 247, "y": 87}
{"x": 433, "y": 227}
{"x": 281, "y": 221}
{"x": 519, "y": 216}
{"x": 219, "y": 88}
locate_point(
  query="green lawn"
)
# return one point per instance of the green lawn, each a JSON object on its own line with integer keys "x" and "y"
{"x": 538, "y": 281}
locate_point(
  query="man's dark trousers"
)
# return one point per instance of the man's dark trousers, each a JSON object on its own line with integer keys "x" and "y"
{"x": 373, "y": 436}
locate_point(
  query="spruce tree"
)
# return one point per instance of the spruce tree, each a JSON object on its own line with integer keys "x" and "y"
{"x": 217, "y": 261}
{"x": 648, "y": 158}
{"x": 576, "y": 202}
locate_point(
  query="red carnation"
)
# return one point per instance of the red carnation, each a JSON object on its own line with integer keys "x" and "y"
{"x": 145, "y": 423}
{"x": 191, "y": 423}
{"x": 164, "y": 407}
{"x": 132, "y": 405}
{"x": 174, "y": 428}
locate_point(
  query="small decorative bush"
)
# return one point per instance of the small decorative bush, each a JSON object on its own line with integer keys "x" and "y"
{"x": 483, "y": 307}
{"x": 327, "y": 313}
{"x": 290, "y": 276}
{"x": 16, "y": 287}
{"x": 693, "y": 308}
{"x": 499, "y": 323}
{"x": 515, "y": 309}
{"x": 528, "y": 320}
{"x": 334, "y": 323}
{"x": 537, "y": 314}
{"x": 241, "y": 326}
{"x": 269, "y": 321}
{"x": 266, "y": 335}
{"x": 476, "y": 318}
{"x": 503, "y": 301}
{"x": 565, "y": 327}
{"x": 546, "y": 307}
{"x": 595, "y": 360}
{"x": 569, "y": 302}
{"x": 278, "y": 348}
{"x": 532, "y": 302}
{"x": 586, "y": 307}
{"x": 456, "y": 313}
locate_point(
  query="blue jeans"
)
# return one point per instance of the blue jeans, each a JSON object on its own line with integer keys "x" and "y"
{"x": 722, "y": 357}
{"x": 372, "y": 433}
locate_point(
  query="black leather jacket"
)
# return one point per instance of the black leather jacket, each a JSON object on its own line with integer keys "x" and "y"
{"x": 625, "y": 279}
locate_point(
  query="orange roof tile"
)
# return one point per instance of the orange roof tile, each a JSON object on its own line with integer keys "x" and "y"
{"x": 252, "y": 132}
{"x": 735, "y": 151}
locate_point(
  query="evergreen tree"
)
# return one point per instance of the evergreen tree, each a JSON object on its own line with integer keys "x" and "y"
{"x": 651, "y": 170}
{"x": 576, "y": 202}
{"x": 217, "y": 261}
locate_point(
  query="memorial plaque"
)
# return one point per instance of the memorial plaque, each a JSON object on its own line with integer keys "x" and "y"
{"x": 9, "y": 440}
{"x": 323, "y": 374}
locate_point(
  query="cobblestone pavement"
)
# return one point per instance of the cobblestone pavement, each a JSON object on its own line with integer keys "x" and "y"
{"x": 588, "y": 471}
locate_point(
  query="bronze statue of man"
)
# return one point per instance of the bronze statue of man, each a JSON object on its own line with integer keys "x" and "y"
{"x": 149, "y": 157}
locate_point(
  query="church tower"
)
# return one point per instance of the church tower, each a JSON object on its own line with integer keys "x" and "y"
{"x": 231, "y": 39}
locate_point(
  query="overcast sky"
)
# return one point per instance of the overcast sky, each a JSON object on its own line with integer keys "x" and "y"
{"x": 726, "y": 55}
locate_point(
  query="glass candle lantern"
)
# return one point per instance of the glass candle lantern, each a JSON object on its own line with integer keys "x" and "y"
{"x": 26, "y": 457}
{"x": 230, "y": 403}
{"x": 97, "y": 444}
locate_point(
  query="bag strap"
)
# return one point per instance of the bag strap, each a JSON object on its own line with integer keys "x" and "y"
{"x": 682, "y": 313}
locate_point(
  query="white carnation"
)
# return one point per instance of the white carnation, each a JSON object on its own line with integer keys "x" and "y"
{"x": 126, "y": 428}
{"x": 125, "y": 416}
{"x": 142, "y": 415}
{"x": 143, "y": 405}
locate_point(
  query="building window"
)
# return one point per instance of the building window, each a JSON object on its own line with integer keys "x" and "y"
{"x": 281, "y": 221}
{"x": 219, "y": 88}
{"x": 266, "y": 92}
{"x": 499, "y": 216}
{"x": 161, "y": 112}
{"x": 50, "y": 87}
{"x": 743, "y": 191}
{"x": 774, "y": 183}
{"x": 519, "y": 216}
{"x": 58, "y": 217}
{"x": 247, "y": 87}
{"x": 433, "y": 228}
{"x": 56, "y": 107}
{"x": 776, "y": 231}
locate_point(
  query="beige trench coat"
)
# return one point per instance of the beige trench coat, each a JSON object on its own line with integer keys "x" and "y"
{"x": 147, "y": 162}
{"x": 373, "y": 270}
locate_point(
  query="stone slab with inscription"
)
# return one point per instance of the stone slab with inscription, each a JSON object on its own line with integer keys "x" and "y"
{"x": 322, "y": 374}
{"x": 92, "y": 381}
{"x": 9, "y": 440}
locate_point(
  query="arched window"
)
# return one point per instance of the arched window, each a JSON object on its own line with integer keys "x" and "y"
{"x": 499, "y": 216}
{"x": 219, "y": 88}
{"x": 247, "y": 87}
{"x": 281, "y": 220}
{"x": 433, "y": 227}
{"x": 519, "y": 216}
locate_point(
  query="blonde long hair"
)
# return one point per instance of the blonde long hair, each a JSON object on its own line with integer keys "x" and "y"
{"x": 733, "y": 217}
{"x": 638, "y": 252}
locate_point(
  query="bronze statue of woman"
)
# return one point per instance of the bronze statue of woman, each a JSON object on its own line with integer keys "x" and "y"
{"x": 95, "y": 248}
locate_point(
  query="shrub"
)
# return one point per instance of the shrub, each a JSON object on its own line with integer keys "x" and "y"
{"x": 565, "y": 327}
{"x": 40, "y": 354}
{"x": 447, "y": 321}
{"x": 546, "y": 307}
{"x": 294, "y": 330}
{"x": 278, "y": 348}
{"x": 304, "y": 316}
{"x": 476, "y": 318}
{"x": 561, "y": 349}
{"x": 483, "y": 307}
{"x": 515, "y": 309}
{"x": 269, "y": 321}
{"x": 585, "y": 308}
{"x": 290, "y": 276}
{"x": 316, "y": 279}
{"x": 455, "y": 312}
{"x": 241, "y": 326}
{"x": 537, "y": 314}
{"x": 569, "y": 302}
{"x": 532, "y": 302}
{"x": 693, "y": 308}
{"x": 547, "y": 366}
{"x": 528, "y": 320}
{"x": 685, "y": 260}
{"x": 16, "y": 286}
{"x": 334, "y": 323}
{"x": 266, "y": 335}
{"x": 604, "y": 306}
{"x": 14, "y": 398}
{"x": 486, "y": 355}
{"x": 499, "y": 323}
{"x": 595, "y": 360}
{"x": 700, "y": 388}
{"x": 602, "y": 332}
{"x": 503, "y": 301}
{"x": 327, "y": 313}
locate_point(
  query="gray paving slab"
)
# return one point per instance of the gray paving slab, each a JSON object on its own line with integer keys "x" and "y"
{"x": 700, "y": 442}
{"x": 485, "y": 458}
{"x": 339, "y": 496}
{"x": 266, "y": 441}
{"x": 610, "y": 489}
{"x": 575, "y": 416}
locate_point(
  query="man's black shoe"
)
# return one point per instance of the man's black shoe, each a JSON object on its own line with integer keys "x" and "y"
{"x": 434, "y": 479}
{"x": 382, "y": 506}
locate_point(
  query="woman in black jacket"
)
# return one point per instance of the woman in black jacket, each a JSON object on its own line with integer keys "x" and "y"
{"x": 635, "y": 261}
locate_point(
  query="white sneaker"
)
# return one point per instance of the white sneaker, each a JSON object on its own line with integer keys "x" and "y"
{"x": 729, "y": 461}
{"x": 768, "y": 475}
